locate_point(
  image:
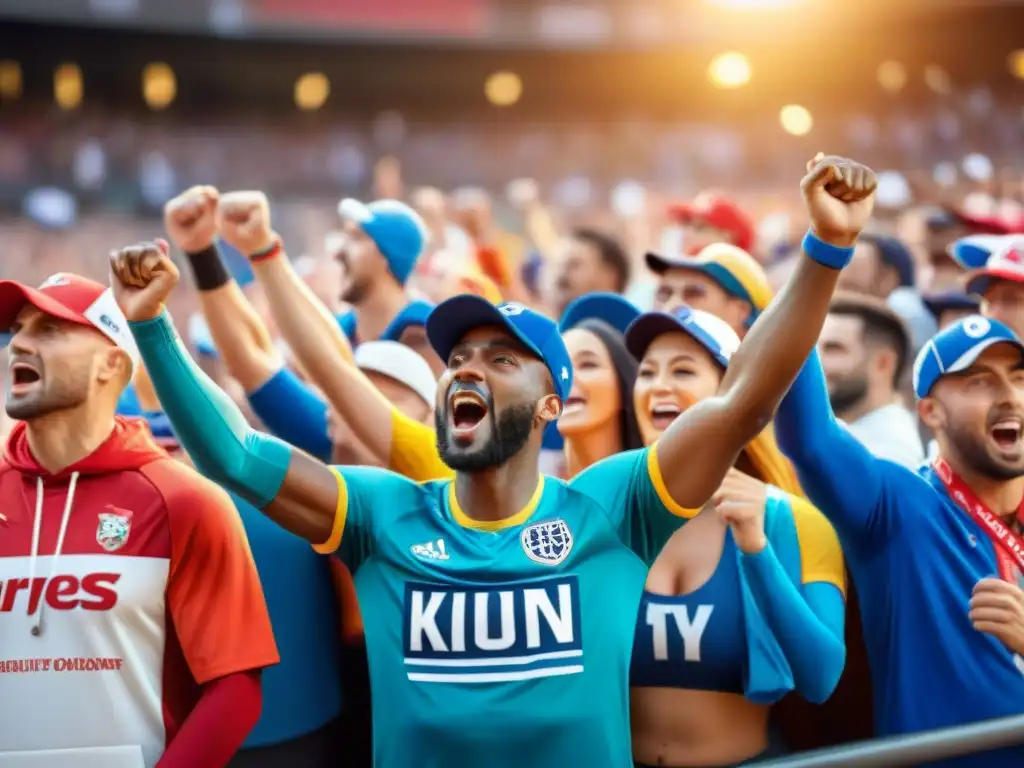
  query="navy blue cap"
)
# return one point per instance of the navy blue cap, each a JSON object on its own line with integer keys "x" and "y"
{"x": 451, "y": 320}
{"x": 713, "y": 333}
{"x": 413, "y": 313}
{"x": 399, "y": 232}
{"x": 609, "y": 307}
{"x": 954, "y": 298}
{"x": 895, "y": 254}
{"x": 954, "y": 349}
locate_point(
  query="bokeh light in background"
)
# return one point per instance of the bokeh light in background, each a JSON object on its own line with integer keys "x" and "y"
{"x": 311, "y": 91}
{"x": 729, "y": 70}
{"x": 10, "y": 80}
{"x": 892, "y": 76}
{"x": 503, "y": 89}
{"x": 796, "y": 120}
{"x": 67, "y": 86}
{"x": 937, "y": 79}
{"x": 1016, "y": 62}
{"x": 159, "y": 86}
{"x": 749, "y": 4}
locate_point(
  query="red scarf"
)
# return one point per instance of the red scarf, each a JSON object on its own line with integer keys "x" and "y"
{"x": 1008, "y": 545}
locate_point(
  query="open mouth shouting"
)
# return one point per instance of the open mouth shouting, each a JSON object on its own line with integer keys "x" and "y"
{"x": 663, "y": 414}
{"x": 24, "y": 377}
{"x": 1007, "y": 433}
{"x": 467, "y": 411}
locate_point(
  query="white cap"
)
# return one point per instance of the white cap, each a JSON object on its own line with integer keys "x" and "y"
{"x": 400, "y": 363}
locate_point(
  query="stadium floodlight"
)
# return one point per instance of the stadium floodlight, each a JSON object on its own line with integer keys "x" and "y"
{"x": 796, "y": 120}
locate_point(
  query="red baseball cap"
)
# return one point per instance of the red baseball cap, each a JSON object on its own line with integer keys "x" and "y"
{"x": 719, "y": 213}
{"x": 72, "y": 298}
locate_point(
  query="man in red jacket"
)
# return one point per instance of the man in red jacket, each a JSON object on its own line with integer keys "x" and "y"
{"x": 130, "y": 609}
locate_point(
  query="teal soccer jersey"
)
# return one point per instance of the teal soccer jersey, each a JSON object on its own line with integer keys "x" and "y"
{"x": 502, "y": 644}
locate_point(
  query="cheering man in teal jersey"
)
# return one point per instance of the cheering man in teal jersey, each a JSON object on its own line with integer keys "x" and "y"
{"x": 499, "y": 607}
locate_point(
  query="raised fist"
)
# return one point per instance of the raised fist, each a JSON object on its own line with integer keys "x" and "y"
{"x": 840, "y": 195}
{"x": 191, "y": 219}
{"x": 142, "y": 277}
{"x": 244, "y": 221}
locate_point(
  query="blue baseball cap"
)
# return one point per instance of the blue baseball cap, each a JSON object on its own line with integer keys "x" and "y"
{"x": 713, "y": 333}
{"x": 451, "y": 320}
{"x": 399, "y": 232}
{"x": 413, "y": 313}
{"x": 609, "y": 307}
{"x": 953, "y": 298}
{"x": 954, "y": 349}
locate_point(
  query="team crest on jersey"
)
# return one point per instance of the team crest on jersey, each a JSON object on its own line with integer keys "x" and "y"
{"x": 547, "y": 543}
{"x": 113, "y": 529}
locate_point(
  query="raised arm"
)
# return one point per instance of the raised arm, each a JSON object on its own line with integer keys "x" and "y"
{"x": 241, "y": 338}
{"x": 295, "y": 490}
{"x": 702, "y": 444}
{"x": 311, "y": 331}
{"x": 838, "y": 473}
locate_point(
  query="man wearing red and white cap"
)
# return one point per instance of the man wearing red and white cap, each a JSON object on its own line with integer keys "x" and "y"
{"x": 1000, "y": 282}
{"x": 131, "y": 615}
{"x": 712, "y": 219}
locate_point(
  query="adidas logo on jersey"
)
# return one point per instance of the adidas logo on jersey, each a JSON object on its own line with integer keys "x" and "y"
{"x": 500, "y": 633}
{"x": 431, "y": 550}
{"x": 93, "y": 592}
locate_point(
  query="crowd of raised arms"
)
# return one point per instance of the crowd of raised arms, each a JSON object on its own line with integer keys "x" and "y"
{"x": 707, "y": 527}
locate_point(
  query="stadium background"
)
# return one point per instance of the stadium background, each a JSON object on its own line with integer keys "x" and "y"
{"x": 109, "y": 107}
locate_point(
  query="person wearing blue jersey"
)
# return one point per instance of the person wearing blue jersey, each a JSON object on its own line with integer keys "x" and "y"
{"x": 499, "y": 606}
{"x": 934, "y": 549}
{"x": 746, "y": 602}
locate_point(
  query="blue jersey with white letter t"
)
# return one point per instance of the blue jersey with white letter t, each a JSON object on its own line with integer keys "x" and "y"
{"x": 501, "y": 644}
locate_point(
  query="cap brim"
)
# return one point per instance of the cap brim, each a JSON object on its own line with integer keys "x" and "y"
{"x": 660, "y": 264}
{"x": 14, "y": 297}
{"x": 355, "y": 210}
{"x": 647, "y": 328}
{"x": 978, "y": 282}
{"x": 451, "y": 320}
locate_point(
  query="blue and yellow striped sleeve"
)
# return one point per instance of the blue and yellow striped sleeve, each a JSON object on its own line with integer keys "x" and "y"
{"x": 414, "y": 450}
{"x": 353, "y": 536}
{"x": 630, "y": 488}
{"x": 821, "y": 556}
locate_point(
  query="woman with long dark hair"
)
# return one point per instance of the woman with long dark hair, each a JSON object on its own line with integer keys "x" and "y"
{"x": 746, "y": 601}
{"x": 598, "y": 419}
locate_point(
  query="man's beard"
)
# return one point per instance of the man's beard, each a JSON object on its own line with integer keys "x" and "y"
{"x": 847, "y": 393}
{"x": 975, "y": 454}
{"x": 59, "y": 394}
{"x": 509, "y": 433}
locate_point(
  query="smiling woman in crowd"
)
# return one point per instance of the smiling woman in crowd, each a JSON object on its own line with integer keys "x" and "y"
{"x": 598, "y": 418}
{"x": 746, "y": 602}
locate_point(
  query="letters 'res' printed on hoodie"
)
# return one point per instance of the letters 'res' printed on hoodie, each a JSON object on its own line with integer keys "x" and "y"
{"x": 126, "y": 583}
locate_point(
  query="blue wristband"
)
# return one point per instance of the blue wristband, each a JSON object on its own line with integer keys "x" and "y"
{"x": 826, "y": 254}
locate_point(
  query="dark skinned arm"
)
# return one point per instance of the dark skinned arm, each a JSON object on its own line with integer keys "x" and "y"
{"x": 702, "y": 445}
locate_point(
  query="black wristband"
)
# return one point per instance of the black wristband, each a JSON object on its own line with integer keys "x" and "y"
{"x": 208, "y": 269}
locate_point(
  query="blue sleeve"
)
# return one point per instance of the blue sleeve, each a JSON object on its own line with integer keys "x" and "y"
{"x": 209, "y": 425}
{"x": 293, "y": 412}
{"x": 631, "y": 490}
{"x": 807, "y": 623}
{"x": 839, "y": 474}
